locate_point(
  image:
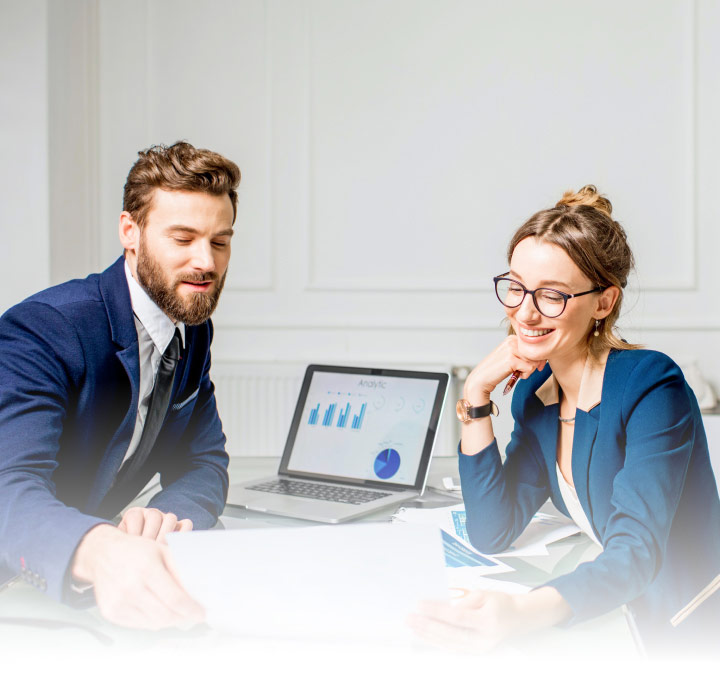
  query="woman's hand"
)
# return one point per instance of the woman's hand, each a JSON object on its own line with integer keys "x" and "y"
{"x": 493, "y": 369}
{"x": 499, "y": 364}
{"x": 476, "y": 623}
{"x": 484, "y": 618}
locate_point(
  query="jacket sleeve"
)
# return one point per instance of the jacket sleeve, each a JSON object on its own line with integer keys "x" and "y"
{"x": 659, "y": 424}
{"x": 41, "y": 362}
{"x": 195, "y": 480}
{"x": 501, "y": 498}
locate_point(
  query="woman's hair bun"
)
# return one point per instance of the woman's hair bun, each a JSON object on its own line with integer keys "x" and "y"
{"x": 588, "y": 195}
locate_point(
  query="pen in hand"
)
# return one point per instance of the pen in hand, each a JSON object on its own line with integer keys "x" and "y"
{"x": 511, "y": 382}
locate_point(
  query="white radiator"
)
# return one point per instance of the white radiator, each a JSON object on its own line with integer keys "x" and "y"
{"x": 257, "y": 400}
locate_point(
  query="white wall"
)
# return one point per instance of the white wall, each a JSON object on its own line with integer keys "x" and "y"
{"x": 24, "y": 230}
{"x": 390, "y": 148}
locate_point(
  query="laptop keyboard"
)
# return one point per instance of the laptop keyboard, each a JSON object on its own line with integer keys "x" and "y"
{"x": 327, "y": 493}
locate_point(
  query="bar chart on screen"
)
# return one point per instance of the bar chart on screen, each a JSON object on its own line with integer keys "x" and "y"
{"x": 342, "y": 418}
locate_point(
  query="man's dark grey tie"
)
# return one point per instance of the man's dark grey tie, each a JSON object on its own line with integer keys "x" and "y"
{"x": 132, "y": 478}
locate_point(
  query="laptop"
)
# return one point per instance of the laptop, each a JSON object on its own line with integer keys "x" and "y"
{"x": 360, "y": 440}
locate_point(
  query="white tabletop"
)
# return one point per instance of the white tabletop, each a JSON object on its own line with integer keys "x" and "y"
{"x": 593, "y": 639}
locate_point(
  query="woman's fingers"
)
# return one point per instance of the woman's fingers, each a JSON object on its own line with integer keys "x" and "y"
{"x": 458, "y": 638}
{"x": 474, "y": 623}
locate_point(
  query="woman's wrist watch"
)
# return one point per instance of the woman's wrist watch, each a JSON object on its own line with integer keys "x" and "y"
{"x": 467, "y": 413}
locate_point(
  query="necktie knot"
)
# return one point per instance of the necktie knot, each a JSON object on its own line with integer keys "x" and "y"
{"x": 172, "y": 351}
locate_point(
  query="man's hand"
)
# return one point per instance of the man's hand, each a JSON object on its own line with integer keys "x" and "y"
{"x": 135, "y": 583}
{"x": 152, "y": 523}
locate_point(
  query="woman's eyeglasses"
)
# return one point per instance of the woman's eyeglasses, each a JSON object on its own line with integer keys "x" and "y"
{"x": 549, "y": 302}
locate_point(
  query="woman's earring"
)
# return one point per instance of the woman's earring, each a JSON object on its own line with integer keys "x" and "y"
{"x": 597, "y": 324}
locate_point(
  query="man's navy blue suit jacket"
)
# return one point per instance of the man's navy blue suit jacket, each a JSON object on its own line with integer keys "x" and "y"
{"x": 69, "y": 380}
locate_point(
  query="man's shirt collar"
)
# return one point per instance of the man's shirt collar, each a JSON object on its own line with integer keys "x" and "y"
{"x": 155, "y": 321}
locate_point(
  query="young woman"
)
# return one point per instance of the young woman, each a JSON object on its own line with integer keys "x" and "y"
{"x": 611, "y": 433}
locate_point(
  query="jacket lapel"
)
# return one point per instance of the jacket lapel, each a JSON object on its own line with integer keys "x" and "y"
{"x": 586, "y": 426}
{"x": 116, "y": 296}
{"x": 548, "y": 437}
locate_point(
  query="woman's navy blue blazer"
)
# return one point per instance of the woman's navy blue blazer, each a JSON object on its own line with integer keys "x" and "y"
{"x": 642, "y": 472}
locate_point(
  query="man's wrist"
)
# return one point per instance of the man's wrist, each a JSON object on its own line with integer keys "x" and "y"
{"x": 82, "y": 569}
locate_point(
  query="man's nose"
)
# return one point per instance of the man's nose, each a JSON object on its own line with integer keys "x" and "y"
{"x": 202, "y": 259}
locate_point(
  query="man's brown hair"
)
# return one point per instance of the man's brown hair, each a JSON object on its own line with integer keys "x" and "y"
{"x": 180, "y": 167}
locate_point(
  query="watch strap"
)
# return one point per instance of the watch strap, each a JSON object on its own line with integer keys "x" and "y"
{"x": 467, "y": 413}
{"x": 476, "y": 412}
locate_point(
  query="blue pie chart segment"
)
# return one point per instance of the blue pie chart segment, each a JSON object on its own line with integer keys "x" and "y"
{"x": 387, "y": 463}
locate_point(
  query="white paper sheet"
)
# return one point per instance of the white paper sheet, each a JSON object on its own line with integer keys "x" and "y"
{"x": 464, "y": 580}
{"x": 451, "y": 520}
{"x": 542, "y": 530}
{"x": 350, "y": 582}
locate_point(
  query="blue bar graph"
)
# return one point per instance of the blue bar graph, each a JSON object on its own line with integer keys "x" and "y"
{"x": 329, "y": 414}
{"x": 358, "y": 419}
{"x": 343, "y": 416}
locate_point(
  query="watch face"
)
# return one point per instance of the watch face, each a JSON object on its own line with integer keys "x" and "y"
{"x": 461, "y": 409}
{"x": 467, "y": 413}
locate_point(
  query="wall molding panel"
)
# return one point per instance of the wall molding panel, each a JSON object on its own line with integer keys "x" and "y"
{"x": 353, "y": 203}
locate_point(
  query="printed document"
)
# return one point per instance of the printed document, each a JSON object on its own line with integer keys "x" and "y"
{"x": 351, "y": 582}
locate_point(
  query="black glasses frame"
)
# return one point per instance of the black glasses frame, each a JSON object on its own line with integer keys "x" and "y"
{"x": 532, "y": 292}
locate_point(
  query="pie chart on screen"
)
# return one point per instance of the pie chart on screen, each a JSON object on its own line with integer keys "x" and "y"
{"x": 387, "y": 463}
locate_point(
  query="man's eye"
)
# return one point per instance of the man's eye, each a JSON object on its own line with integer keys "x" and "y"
{"x": 182, "y": 242}
{"x": 220, "y": 244}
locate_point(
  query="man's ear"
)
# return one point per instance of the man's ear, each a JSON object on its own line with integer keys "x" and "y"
{"x": 129, "y": 232}
{"x": 606, "y": 302}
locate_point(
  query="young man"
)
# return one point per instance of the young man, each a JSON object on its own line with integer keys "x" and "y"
{"x": 104, "y": 382}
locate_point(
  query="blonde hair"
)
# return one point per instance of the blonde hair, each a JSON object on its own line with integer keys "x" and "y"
{"x": 582, "y": 225}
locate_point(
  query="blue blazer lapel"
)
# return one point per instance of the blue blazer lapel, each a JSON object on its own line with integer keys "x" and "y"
{"x": 116, "y": 296}
{"x": 547, "y": 434}
{"x": 586, "y": 425}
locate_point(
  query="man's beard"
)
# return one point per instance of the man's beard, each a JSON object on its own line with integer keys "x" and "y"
{"x": 196, "y": 308}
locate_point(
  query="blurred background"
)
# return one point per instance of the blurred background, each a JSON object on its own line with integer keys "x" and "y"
{"x": 389, "y": 149}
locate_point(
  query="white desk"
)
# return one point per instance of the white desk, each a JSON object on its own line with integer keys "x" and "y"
{"x": 604, "y": 637}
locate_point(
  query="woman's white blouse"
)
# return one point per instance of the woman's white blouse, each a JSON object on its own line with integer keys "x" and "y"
{"x": 572, "y": 504}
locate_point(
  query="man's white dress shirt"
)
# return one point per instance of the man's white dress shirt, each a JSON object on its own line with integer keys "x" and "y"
{"x": 155, "y": 331}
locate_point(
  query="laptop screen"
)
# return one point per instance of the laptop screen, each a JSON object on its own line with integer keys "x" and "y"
{"x": 376, "y": 427}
